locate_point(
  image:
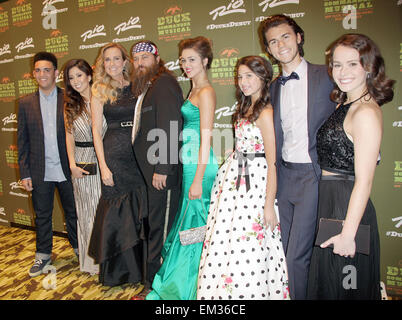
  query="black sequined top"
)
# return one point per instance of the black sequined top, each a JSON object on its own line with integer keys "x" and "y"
{"x": 335, "y": 150}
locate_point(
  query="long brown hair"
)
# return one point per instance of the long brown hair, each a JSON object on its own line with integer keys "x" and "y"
{"x": 74, "y": 104}
{"x": 263, "y": 70}
{"x": 378, "y": 84}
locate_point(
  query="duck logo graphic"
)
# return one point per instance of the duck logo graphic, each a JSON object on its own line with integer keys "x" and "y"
{"x": 173, "y": 10}
{"x": 55, "y": 33}
{"x": 26, "y": 84}
{"x": 12, "y": 156}
{"x": 57, "y": 43}
{"x": 21, "y": 13}
{"x": 229, "y": 52}
{"x": 21, "y": 217}
{"x": 222, "y": 68}
{"x": 174, "y": 25}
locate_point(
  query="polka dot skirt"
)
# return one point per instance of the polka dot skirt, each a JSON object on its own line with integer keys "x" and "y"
{"x": 241, "y": 259}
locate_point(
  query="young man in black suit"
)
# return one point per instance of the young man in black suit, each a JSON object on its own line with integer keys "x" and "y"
{"x": 42, "y": 158}
{"x": 156, "y": 147}
{"x": 300, "y": 98}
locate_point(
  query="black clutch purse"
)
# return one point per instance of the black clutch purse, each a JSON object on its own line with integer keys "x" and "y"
{"x": 328, "y": 228}
{"x": 88, "y": 166}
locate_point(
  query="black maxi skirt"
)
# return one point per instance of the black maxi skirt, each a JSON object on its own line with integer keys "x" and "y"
{"x": 330, "y": 276}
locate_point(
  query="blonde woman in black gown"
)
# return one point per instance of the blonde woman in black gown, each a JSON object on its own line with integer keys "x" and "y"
{"x": 117, "y": 233}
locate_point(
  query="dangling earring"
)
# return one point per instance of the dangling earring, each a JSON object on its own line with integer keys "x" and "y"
{"x": 368, "y": 75}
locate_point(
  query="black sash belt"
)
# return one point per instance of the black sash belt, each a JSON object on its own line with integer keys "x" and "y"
{"x": 84, "y": 144}
{"x": 338, "y": 177}
{"x": 242, "y": 158}
{"x": 339, "y": 174}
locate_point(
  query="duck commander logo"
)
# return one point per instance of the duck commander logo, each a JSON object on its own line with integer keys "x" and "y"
{"x": 4, "y": 24}
{"x": 174, "y": 25}
{"x": 57, "y": 43}
{"x": 337, "y": 10}
{"x": 222, "y": 68}
{"x": 21, "y": 15}
{"x": 7, "y": 90}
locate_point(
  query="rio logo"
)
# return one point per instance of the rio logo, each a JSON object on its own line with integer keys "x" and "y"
{"x": 233, "y": 7}
{"x": 27, "y": 43}
{"x": 274, "y": 3}
{"x": 130, "y": 24}
{"x": 5, "y": 49}
{"x": 97, "y": 31}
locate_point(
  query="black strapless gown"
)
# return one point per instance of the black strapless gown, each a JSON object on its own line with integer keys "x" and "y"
{"x": 118, "y": 229}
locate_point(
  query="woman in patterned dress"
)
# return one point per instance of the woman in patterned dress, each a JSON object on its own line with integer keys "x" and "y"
{"x": 80, "y": 149}
{"x": 243, "y": 256}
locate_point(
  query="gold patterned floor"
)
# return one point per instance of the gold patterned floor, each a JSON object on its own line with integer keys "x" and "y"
{"x": 17, "y": 251}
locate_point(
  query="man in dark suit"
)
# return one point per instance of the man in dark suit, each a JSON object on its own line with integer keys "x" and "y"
{"x": 42, "y": 158}
{"x": 300, "y": 98}
{"x": 156, "y": 147}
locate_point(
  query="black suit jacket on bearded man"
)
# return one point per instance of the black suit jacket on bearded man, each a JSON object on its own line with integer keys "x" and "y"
{"x": 157, "y": 144}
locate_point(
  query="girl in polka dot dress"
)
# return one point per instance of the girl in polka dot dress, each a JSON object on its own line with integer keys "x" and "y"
{"x": 242, "y": 256}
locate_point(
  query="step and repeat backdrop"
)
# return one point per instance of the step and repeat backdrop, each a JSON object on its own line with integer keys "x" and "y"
{"x": 79, "y": 28}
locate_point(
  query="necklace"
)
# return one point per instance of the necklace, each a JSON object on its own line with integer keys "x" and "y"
{"x": 364, "y": 94}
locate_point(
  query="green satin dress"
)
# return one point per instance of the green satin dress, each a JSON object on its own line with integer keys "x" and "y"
{"x": 177, "y": 277}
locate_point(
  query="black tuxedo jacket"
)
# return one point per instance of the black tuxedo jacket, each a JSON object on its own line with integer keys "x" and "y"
{"x": 319, "y": 108}
{"x": 160, "y": 110}
{"x": 30, "y": 137}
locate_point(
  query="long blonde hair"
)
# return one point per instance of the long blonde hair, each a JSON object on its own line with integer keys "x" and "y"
{"x": 105, "y": 87}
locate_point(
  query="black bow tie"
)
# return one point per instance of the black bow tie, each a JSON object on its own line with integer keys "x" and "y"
{"x": 282, "y": 80}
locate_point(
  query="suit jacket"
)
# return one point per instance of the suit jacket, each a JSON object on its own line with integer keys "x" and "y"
{"x": 319, "y": 108}
{"x": 160, "y": 109}
{"x": 30, "y": 138}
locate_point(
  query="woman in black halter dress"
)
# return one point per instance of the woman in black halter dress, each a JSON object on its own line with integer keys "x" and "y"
{"x": 117, "y": 232}
{"x": 348, "y": 147}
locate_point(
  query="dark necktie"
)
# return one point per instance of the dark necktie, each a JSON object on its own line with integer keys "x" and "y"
{"x": 282, "y": 79}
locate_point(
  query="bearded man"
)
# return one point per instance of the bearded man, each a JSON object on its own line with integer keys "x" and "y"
{"x": 156, "y": 129}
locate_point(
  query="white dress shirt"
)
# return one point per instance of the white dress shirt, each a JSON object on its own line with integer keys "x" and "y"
{"x": 294, "y": 117}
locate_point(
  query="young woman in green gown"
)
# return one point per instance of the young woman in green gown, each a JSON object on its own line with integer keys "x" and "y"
{"x": 177, "y": 277}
